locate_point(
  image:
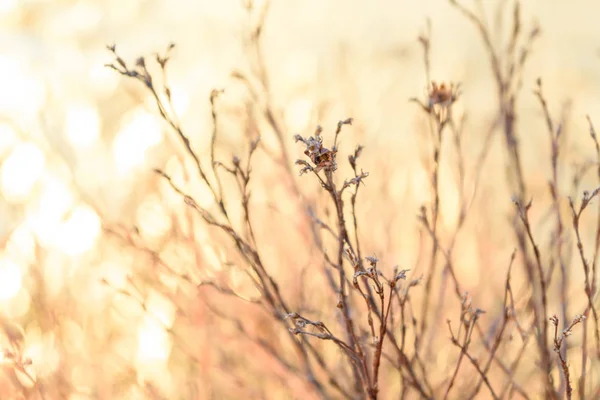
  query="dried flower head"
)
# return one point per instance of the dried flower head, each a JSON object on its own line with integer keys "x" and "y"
{"x": 321, "y": 157}
{"x": 401, "y": 275}
{"x": 443, "y": 94}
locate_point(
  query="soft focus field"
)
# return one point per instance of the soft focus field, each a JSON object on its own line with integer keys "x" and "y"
{"x": 115, "y": 286}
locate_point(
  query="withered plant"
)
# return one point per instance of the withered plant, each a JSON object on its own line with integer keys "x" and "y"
{"x": 345, "y": 325}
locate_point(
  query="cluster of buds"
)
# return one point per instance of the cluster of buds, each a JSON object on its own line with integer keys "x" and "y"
{"x": 579, "y": 318}
{"x": 321, "y": 157}
{"x": 469, "y": 314}
{"x": 439, "y": 100}
{"x": 140, "y": 70}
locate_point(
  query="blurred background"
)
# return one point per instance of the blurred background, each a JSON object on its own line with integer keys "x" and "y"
{"x": 100, "y": 258}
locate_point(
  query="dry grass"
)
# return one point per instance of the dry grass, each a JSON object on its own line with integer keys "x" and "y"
{"x": 277, "y": 281}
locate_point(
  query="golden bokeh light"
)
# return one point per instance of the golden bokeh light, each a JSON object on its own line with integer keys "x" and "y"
{"x": 82, "y": 125}
{"x": 79, "y": 232}
{"x": 154, "y": 343}
{"x": 45, "y": 216}
{"x": 18, "y": 306}
{"x": 8, "y": 138}
{"x": 22, "y": 243}
{"x": 153, "y": 221}
{"x": 23, "y": 94}
{"x": 180, "y": 98}
{"x": 139, "y": 132}
{"x": 20, "y": 171}
{"x": 8, "y": 6}
{"x": 41, "y": 350}
{"x": 11, "y": 278}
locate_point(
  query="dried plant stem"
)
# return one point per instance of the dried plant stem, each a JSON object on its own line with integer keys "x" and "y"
{"x": 555, "y": 134}
{"x": 584, "y": 353}
{"x": 588, "y": 274}
{"x": 436, "y": 127}
{"x": 539, "y": 289}
{"x": 343, "y": 304}
{"x": 375, "y": 338}
{"x": 558, "y": 341}
{"x": 506, "y": 315}
{"x": 507, "y": 73}
{"x": 468, "y": 319}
